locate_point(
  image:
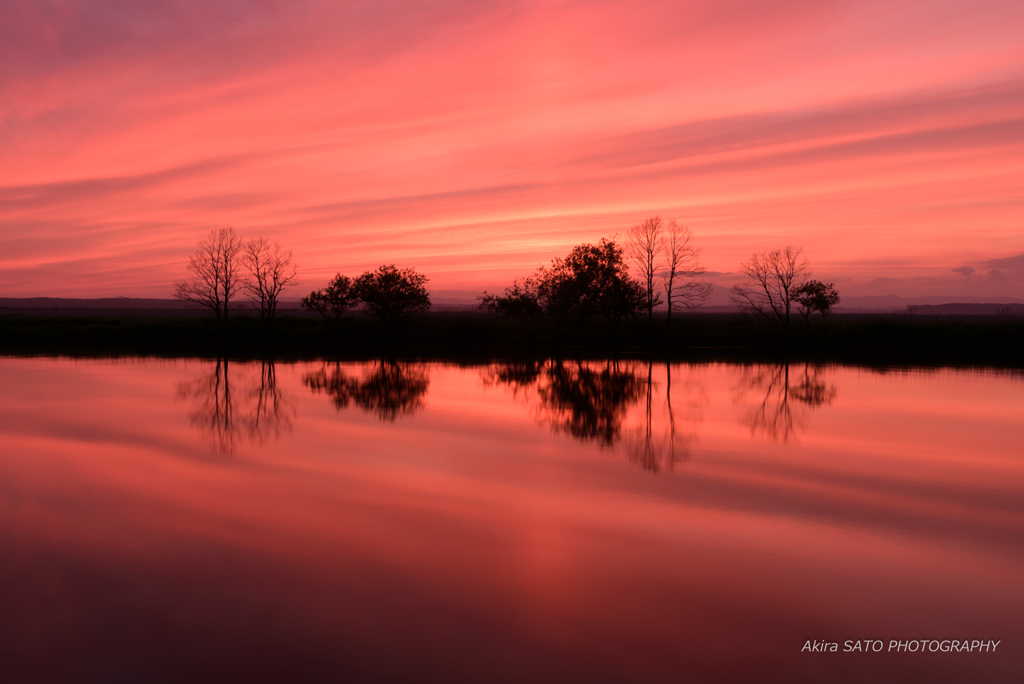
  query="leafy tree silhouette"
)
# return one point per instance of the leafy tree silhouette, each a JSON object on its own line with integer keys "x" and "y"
{"x": 335, "y": 299}
{"x": 390, "y": 293}
{"x": 815, "y": 296}
{"x": 591, "y": 281}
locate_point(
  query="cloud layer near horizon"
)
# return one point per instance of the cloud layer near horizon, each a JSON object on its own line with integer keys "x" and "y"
{"x": 476, "y": 140}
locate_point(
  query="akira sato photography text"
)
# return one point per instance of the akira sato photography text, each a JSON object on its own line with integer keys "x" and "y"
{"x": 897, "y": 646}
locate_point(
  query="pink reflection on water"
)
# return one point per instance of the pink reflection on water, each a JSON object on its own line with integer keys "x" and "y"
{"x": 476, "y": 538}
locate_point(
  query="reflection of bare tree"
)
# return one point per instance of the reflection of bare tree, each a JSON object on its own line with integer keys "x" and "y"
{"x": 391, "y": 390}
{"x": 268, "y": 411}
{"x": 212, "y": 408}
{"x": 673, "y": 435}
{"x": 227, "y": 416}
{"x": 645, "y": 450}
{"x": 659, "y": 445}
{"x": 776, "y": 417}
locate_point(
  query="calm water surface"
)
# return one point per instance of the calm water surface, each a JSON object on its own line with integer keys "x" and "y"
{"x": 205, "y": 520}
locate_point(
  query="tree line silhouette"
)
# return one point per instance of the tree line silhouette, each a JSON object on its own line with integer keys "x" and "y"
{"x": 659, "y": 263}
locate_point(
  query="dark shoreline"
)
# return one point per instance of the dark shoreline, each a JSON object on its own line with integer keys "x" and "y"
{"x": 870, "y": 340}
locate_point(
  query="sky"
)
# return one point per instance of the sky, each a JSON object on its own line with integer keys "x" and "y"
{"x": 476, "y": 140}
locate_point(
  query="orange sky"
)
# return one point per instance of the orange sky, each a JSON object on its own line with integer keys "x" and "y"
{"x": 476, "y": 140}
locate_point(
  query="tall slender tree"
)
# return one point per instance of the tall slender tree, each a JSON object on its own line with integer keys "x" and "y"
{"x": 645, "y": 247}
{"x": 216, "y": 276}
{"x": 270, "y": 270}
{"x": 682, "y": 268}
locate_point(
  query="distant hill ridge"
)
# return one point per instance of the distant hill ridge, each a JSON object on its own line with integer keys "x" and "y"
{"x": 99, "y": 303}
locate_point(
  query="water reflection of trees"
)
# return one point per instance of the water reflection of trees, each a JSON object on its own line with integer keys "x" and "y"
{"x": 660, "y": 444}
{"x": 782, "y": 398}
{"x": 268, "y": 412}
{"x": 592, "y": 401}
{"x": 588, "y": 403}
{"x": 390, "y": 390}
{"x": 255, "y": 410}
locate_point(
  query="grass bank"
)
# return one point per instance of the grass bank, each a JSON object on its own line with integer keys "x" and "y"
{"x": 851, "y": 339}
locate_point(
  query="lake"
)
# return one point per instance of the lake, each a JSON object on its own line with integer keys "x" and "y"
{"x": 599, "y": 521}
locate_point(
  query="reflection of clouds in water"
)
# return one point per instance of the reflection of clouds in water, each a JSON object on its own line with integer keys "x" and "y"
{"x": 593, "y": 402}
{"x": 390, "y": 390}
{"x": 252, "y": 409}
{"x": 781, "y": 398}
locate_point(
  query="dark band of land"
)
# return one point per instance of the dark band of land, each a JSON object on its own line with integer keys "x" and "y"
{"x": 866, "y": 339}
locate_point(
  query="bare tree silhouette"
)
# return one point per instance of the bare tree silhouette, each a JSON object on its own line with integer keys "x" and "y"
{"x": 644, "y": 249}
{"x": 391, "y": 390}
{"x": 682, "y": 267}
{"x": 271, "y": 271}
{"x": 773, "y": 279}
{"x": 216, "y": 277}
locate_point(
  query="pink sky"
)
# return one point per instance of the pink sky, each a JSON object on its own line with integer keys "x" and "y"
{"x": 476, "y": 140}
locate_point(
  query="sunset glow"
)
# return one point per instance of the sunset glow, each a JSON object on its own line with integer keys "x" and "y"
{"x": 472, "y": 534}
{"x": 476, "y": 140}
